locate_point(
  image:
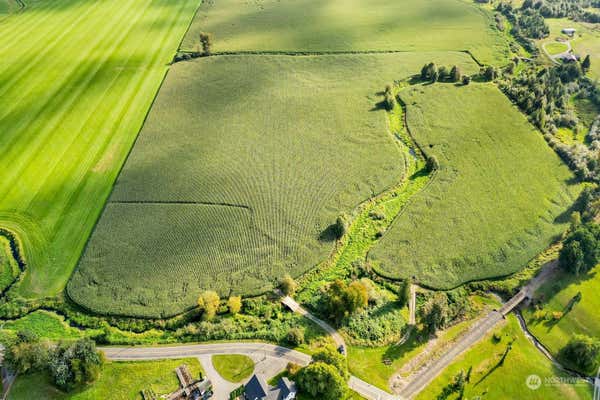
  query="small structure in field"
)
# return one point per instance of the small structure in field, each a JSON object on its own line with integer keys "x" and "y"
{"x": 258, "y": 389}
{"x": 190, "y": 389}
{"x": 569, "y": 31}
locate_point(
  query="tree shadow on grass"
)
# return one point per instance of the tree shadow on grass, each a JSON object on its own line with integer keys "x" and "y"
{"x": 330, "y": 234}
{"x": 396, "y": 352}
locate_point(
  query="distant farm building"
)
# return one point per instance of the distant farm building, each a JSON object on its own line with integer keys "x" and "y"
{"x": 568, "y": 57}
{"x": 569, "y": 31}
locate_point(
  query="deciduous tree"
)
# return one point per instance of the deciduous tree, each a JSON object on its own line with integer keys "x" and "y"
{"x": 208, "y": 302}
{"x": 234, "y": 304}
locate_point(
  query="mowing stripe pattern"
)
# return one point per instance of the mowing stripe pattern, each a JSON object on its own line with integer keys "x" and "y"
{"x": 76, "y": 81}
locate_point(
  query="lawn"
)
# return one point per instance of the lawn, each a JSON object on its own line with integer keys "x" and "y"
{"x": 349, "y": 25}
{"x": 555, "y": 295}
{"x": 76, "y": 81}
{"x": 554, "y": 48}
{"x": 242, "y": 167}
{"x": 491, "y": 380}
{"x": 233, "y": 367}
{"x": 500, "y": 197}
{"x": 118, "y": 380}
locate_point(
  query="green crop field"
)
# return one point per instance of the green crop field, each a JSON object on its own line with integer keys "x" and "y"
{"x": 76, "y": 81}
{"x": 499, "y": 198}
{"x": 240, "y": 169}
{"x": 7, "y": 7}
{"x": 494, "y": 381}
{"x": 349, "y": 25}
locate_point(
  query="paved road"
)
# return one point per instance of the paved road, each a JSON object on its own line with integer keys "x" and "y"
{"x": 369, "y": 391}
{"x": 196, "y": 350}
{"x": 297, "y": 308}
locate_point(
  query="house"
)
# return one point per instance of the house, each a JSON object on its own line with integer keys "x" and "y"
{"x": 258, "y": 389}
{"x": 568, "y": 57}
{"x": 569, "y": 31}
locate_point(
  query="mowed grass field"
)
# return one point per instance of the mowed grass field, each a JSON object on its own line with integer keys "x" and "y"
{"x": 494, "y": 381}
{"x": 76, "y": 81}
{"x": 555, "y": 296}
{"x": 241, "y": 168}
{"x": 500, "y": 197}
{"x": 349, "y": 25}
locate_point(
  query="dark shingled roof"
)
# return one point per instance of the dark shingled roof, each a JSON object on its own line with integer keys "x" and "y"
{"x": 256, "y": 389}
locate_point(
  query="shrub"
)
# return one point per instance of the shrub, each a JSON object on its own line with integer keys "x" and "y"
{"x": 206, "y": 43}
{"x": 27, "y": 354}
{"x": 466, "y": 79}
{"x": 295, "y": 336}
{"x": 583, "y": 352}
{"x": 343, "y": 300}
{"x": 321, "y": 381}
{"x": 432, "y": 163}
{"x": 455, "y": 74}
{"x": 331, "y": 356}
{"x": 288, "y": 285}
{"x": 581, "y": 249}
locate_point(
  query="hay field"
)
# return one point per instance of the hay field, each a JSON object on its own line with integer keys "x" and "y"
{"x": 76, "y": 80}
{"x": 349, "y": 25}
{"x": 241, "y": 167}
{"x": 499, "y": 199}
